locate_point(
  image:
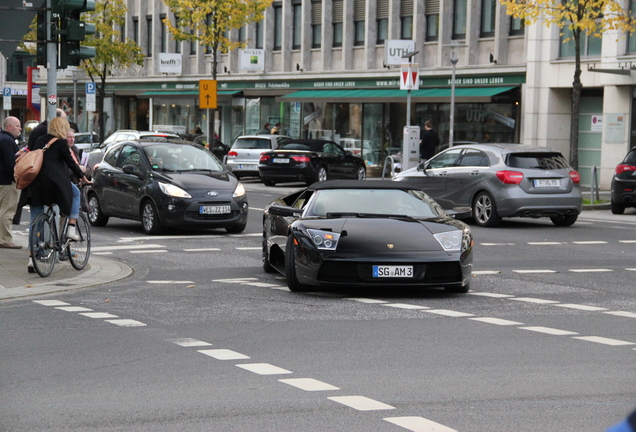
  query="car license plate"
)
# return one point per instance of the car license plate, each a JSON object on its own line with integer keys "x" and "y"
{"x": 281, "y": 160}
{"x": 547, "y": 183}
{"x": 392, "y": 271}
{"x": 248, "y": 167}
{"x": 214, "y": 209}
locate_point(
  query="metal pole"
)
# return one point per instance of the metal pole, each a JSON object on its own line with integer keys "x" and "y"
{"x": 408, "y": 108}
{"x": 51, "y": 64}
{"x": 75, "y": 96}
{"x": 209, "y": 127}
{"x": 451, "y": 135}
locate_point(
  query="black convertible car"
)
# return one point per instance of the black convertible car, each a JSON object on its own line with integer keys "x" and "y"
{"x": 351, "y": 233}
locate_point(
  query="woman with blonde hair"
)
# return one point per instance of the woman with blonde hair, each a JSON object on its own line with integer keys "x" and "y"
{"x": 52, "y": 185}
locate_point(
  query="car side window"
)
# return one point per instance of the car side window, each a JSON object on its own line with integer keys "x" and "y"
{"x": 112, "y": 154}
{"x": 474, "y": 158}
{"x": 301, "y": 201}
{"x": 129, "y": 156}
{"x": 445, "y": 160}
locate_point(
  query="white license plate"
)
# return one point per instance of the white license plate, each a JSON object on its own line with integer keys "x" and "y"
{"x": 248, "y": 167}
{"x": 392, "y": 271}
{"x": 547, "y": 183}
{"x": 281, "y": 160}
{"x": 214, "y": 209}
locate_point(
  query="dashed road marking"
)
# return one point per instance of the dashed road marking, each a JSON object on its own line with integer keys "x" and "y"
{"x": 497, "y": 244}
{"x": 189, "y": 342}
{"x": 622, "y": 314}
{"x": 496, "y": 321}
{"x": 534, "y": 300}
{"x": 403, "y": 306}
{"x": 309, "y": 384}
{"x": 548, "y": 330}
{"x": 546, "y": 243}
{"x": 51, "y": 303}
{"x": 264, "y": 369}
{"x": 168, "y": 282}
{"x": 533, "y": 271}
{"x": 73, "y": 309}
{"x": 249, "y": 248}
{"x": 590, "y": 242}
{"x": 130, "y": 247}
{"x": 126, "y": 323}
{"x": 367, "y": 300}
{"x": 224, "y": 354}
{"x": 486, "y": 272}
{"x": 603, "y": 340}
{"x": 581, "y": 307}
{"x": 598, "y": 270}
{"x": 97, "y": 315}
{"x": 202, "y": 250}
{"x": 148, "y": 251}
{"x": 418, "y": 424}
{"x": 449, "y": 313}
{"x": 361, "y": 403}
{"x": 494, "y": 295}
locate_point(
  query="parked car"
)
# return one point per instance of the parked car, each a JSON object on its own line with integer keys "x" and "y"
{"x": 624, "y": 184}
{"x": 86, "y": 140}
{"x": 170, "y": 183}
{"x": 309, "y": 161}
{"x": 350, "y": 233}
{"x": 246, "y": 151}
{"x": 501, "y": 180}
{"x": 95, "y": 155}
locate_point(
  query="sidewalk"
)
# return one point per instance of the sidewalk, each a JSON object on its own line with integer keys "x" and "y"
{"x": 17, "y": 282}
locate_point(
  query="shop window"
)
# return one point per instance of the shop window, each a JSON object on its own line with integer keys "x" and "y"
{"x": 590, "y": 44}
{"x": 278, "y": 27}
{"x": 432, "y": 20}
{"x": 406, "y": 19}
{"x": 337, "y": 22}
{"x": 488, "y": 16}
{"x": 297, "y": 28}
{"x": 316, "y": 23}
{"x": 460, "y": 9}
{"x": 358, "y": 21}
{"x": 517, "y": 26}
{"x": 149, "y": 36}
{"x": 382, "y": 20}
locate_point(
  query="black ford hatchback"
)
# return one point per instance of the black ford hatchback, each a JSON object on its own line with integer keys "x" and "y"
{"x": 170, "y": 183}
{"x": 624, "y": 184}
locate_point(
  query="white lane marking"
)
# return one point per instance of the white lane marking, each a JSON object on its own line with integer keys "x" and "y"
{"x": 449, "y": 313}
{"x": 73, "y": 309}
{"x": 263, "y": 368}
{"x": 622, "y": 314}
{"x": 589, "y": 242}
{"x": 487, "y": 294}
{"x": 603, "y": 340}
{"x": 257, "y": 209}
{"x": 546, "y": 243}
{"x": 309, "y": 384}
{"x": 189, "y": 342}
{"x": 235, "y": 280}
{"x": 598, "y": 270}
{"x": 280, "y": 287}
{"x": 630, "y": 269}
{"x": 148, "y": 251}
{"x": 113, "y": 248}
{"x": 249, "y": 248}
{"x": 548, "y": 330}
{"x": 202, "y": 250}
{"x": 533, "y": 271}
{"x": 627, "y": 241}
{"x": 582, "y": 307}
{"x": 366, "y": 300}
{"x": 418, "y": 424}
{"x": 496, "y": 321}
{"x": 168, "y": 282}
{"x": 98, "y": 315}
{"x": 260, "y": 284}
{"x": 403, "y": 306}
{"x": 486, "y": 272}
{"x": 101, "y": 253}
{"x": 126, "y": 323}
{"x": 497, "y": 244}
{"x": 51, "y": 302}
{"x": 224, "y": 354}
{"x": 534, "y": 300}
{"x": 361, "y": 403}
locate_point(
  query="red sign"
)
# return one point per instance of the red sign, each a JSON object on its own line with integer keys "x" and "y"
{"x": 410, "y": 77}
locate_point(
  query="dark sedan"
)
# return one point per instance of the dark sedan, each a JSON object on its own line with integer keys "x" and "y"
{"x": 177, "y": 184}
{"x": 624, "y": 184}
{"x": 309, "y": 161}
{"x": 349, "y": 233}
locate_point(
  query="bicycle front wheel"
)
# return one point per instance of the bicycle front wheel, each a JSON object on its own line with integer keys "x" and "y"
{"x": 79, "y": 251}
{"x": 42, "y": 244}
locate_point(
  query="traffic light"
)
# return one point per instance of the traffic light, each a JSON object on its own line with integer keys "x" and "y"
{"x": 73, "y": 31}
{"x": 42, "y": 37}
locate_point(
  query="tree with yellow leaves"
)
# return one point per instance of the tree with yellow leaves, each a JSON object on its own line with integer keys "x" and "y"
{"x": 209, "y": 22}
{"x": 581, "y": 17}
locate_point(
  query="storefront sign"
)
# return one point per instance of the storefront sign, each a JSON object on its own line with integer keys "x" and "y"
{"x": 395, "y": 50}
{"x": 597, "y": 123}
{"x": 614, "y": 128}
{"x": 170, "y": 63}
{"x": 252, "y": 60}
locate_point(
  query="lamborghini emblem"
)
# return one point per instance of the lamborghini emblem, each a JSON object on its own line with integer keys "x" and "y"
{"x": 390, "y": 246}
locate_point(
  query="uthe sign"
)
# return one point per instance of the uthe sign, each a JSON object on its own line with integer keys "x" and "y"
{"x": 394, "y": 50}
{"x": 410, "y": 76}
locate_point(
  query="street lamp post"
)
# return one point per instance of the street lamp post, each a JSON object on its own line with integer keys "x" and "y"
{"x": 453, "y": 60}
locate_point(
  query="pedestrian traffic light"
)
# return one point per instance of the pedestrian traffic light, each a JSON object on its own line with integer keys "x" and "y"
{"x": 42, "y": 37}
{"x": 73, "y": 31}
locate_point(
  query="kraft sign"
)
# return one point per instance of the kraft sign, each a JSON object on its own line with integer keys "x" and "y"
{"x": 170, "y": 63}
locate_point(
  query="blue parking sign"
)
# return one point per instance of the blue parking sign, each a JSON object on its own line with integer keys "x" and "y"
{"x": 7, "y": 92}
{"x": 91, "y": 88}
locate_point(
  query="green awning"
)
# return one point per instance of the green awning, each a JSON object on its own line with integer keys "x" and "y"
{"x": 185, "y": 93}
{"x": 462, "y": 94}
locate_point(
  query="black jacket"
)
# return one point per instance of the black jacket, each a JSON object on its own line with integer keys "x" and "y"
{"x": 429, "y": 144}
{"x": 8, "y": 149}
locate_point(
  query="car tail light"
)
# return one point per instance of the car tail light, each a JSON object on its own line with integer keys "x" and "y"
{"x": 509, "y": 177}
{"x": 624, "y": 167}
{"x": 232, "y": 153}
{"x": 264, "y": 158}
{"x": 301, "y": 159}
{"x": 575, "y": 176}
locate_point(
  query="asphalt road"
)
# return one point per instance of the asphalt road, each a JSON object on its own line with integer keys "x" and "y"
{"x": 201, "y": 339}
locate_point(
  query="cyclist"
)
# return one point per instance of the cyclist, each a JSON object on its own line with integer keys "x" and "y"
{"x": 52, "y": 185}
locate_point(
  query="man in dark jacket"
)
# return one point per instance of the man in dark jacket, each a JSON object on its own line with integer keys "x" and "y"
{"x": 9, "y": 194}
{"x": 429, "y": 141}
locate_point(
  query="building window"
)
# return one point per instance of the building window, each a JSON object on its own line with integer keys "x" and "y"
{"x": 122, "y": 33}
{"x": 338, "y": 13}
{"x": 136, "y": 30}
{"x": 297, "y": 28}
{"x": 208, "y": 21}
{"x": 149, "y": 36}
{"x": 517, "y": 26}
{"x": 406, "y": 19}
{"x": 316, "y": 24}
{"x": 382, "y": 20}
{"x": 432, "y": 20}
{"x": 358, "y": 21}
{"x": 590, "y": 45}
{"x": 259, "y": 35}
{"x": 164, "y": 34}
{"x": 459, "y": 19}
{"x": 242, "y": 34}
{"x": 631, "y": 37}
{"x": 278, "y": 27}
{"x": 193, "y": 43}
{"x": 488, "y": 13}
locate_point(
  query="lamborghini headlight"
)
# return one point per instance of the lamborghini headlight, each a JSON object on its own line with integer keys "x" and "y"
{"x": 324, "y": 240}
{"x": 239, "y": 192}
{"x": 451, "y": 241}
{"x": 173, "y": 191}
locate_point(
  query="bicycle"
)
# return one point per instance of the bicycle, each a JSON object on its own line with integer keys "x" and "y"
{"x": 45, "y": 243}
